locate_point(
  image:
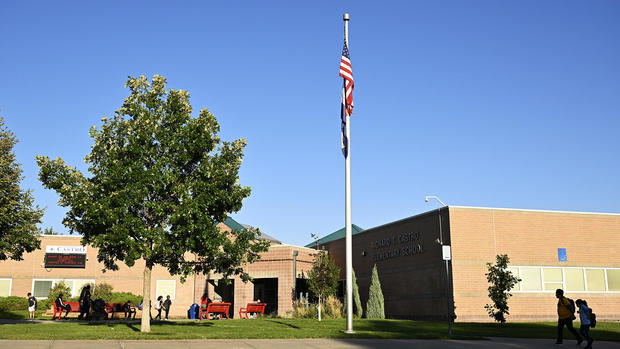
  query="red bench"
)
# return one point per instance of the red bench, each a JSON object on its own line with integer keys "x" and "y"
{"x": 252, "y": 308}
{"x": 215, "y": 308}
{"x": 75, "y": 308}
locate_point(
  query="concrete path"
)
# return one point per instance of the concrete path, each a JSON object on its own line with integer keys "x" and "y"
{"x": 509, "y": 343}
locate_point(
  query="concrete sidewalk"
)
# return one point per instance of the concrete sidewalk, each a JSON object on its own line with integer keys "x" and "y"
{"x": 511, "y": 343}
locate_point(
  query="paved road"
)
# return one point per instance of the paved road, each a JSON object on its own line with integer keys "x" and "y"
{"x": 509, "y": 343}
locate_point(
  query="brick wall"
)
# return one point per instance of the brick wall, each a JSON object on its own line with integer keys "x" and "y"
{"x": 530, "y": 238}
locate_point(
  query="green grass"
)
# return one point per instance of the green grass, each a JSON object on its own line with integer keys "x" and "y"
{"x": 288, "y": 328}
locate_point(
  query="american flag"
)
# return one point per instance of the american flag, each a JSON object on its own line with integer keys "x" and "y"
{"x": 347, "y": 73}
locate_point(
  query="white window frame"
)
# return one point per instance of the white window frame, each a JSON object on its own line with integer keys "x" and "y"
{"x": 542, "y": 279}
{"x": 10, "y": 284}
{"x": 55, "y": 281}
{"x": 172, "y": 296}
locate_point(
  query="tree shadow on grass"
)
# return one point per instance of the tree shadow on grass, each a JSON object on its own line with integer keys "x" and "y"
{"x": 284, "y": 323}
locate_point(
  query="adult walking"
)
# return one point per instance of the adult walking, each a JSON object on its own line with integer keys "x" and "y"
{"x": 566, "y": 315}
{"x": 584, "y": 317}
{"x": 84, "y": 302}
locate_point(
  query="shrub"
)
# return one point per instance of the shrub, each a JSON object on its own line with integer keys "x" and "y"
{"x": 122, "y": 297}
{"x": 102, "y": 290}
{"x": 13, "y": 303}
{"x": 375, "y": 307}
{"x": 333, "y": 307}
{"x": 301, "y": 311}
{"x": 59, "y": 287}
{"x": 357, "y": 302}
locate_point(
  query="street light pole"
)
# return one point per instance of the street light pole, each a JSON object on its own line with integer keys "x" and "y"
{"x": 446, "y": 260}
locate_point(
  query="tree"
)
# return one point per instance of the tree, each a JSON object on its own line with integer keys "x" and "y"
{"x": 18, "y": 215}
{"x": 50, "y": 231}
{"x": 357, "y": 303}
{"x": 502, "y": 281}
{"x": 160, "y": 181}
{"x": 375, "y": 308}
{"x": 323, "y": 277}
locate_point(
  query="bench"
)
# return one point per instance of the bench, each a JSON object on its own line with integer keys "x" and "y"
{"x": 215, "y": 308}
{"x": 75, "y": 308}
{"x": 258, "y": 308}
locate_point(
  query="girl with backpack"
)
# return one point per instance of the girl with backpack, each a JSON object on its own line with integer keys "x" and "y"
{"x": 158, "y": 307}
{"x": 584, "y": 315}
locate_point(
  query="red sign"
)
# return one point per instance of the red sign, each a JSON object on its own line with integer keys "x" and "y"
{"x": 60, "y": 260}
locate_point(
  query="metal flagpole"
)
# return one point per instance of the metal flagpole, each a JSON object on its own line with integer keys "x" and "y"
{"x": 348, "y": 238}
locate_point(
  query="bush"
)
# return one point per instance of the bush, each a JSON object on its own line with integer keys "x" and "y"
{"x": 102, "y": 290}
{"x": 59, "y": 288}
{"x": 301, "y": 312}
{"x": 13, "y": 303}
{"x": 332, "y": 307}
{"x": 375, "y": 307}
{"x": 122, "y": 297}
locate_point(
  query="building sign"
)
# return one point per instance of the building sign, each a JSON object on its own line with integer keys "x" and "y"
{"x": 65, "y": 260}
{"x": 562, "y": 255}
{"x": 401, "y": 245}
{"x": 65, "y": 249}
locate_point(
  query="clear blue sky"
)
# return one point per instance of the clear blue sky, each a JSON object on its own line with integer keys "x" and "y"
{"x": 483, "y": 103}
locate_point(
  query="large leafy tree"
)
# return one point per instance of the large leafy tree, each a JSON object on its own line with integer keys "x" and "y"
{"x": 323, "y": 277}
{"x": 160, "y": 181}
{"x": 18, "y": 215}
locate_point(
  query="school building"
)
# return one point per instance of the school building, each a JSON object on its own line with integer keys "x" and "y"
{"x": 578, "y": 252}
{"x": 276, "y": 275}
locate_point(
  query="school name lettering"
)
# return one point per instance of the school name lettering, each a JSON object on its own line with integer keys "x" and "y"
{"x": 401, "y": 245}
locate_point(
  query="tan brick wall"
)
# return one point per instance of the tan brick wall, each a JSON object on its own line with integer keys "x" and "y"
{"x": 530, "y": 238}
{"x": 277, "y": 262}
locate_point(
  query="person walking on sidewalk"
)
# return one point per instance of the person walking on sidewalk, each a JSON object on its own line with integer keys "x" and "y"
{"x": 158, "y": 306}
{"x": 566, "y": 315}
{"x": 584, "y": 317}
{"x": 167, "y": 304}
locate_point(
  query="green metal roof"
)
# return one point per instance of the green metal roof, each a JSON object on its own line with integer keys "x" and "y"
{"x": 233, "y": 224}
{"x": 338, "y": 234}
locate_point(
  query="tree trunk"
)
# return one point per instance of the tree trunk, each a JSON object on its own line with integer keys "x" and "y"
{"x": 145, "y": 325}
{"x": 319, "y": 308}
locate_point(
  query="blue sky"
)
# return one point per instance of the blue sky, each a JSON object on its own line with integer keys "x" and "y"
{"x": 483, "y": 103}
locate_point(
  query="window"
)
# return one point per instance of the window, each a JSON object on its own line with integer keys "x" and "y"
{"x": 574, "y": 279}
{"x": 530, "y": 279}
{"x": 570, "y": 279}
{"x": 41, "y": 288}
{"x": 613, "y": 279}
{"x": 166, "y": 288}
{"x": 5, "y": 287}
{"x": 595, "y": 279}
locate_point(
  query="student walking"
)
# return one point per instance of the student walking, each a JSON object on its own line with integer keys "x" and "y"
{"x": 584, "y": 317}
{"x": 167, "y": 304}
{"x": 566, "y": 315}
{"x": 32, "y": 306}
{"x": 84, "y": 302}
{"x": 158, "y": 306}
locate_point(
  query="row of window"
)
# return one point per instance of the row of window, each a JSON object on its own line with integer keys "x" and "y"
{"x": 570, "y": 279}
{"x": 41, "y": 287}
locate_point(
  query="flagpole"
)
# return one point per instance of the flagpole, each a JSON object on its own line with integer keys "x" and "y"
{"x": 348, "y": 236}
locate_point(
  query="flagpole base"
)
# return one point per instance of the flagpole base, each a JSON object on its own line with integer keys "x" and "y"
{"x": 349, "y": 331}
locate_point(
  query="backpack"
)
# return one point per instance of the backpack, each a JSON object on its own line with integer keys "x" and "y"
{"x": 571, "y": 307}
{"x": 592, "y": 319}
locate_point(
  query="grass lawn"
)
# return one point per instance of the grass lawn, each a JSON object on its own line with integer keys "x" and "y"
{"x": 288, "y": 328}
